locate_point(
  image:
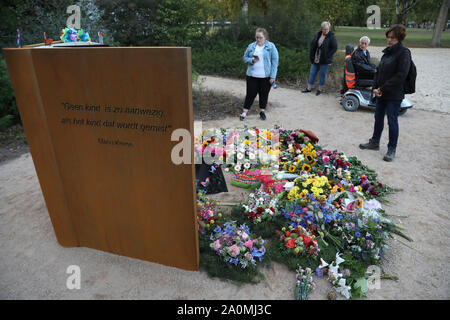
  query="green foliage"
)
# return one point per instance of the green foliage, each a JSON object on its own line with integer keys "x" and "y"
{"x": 265, "y": 230}
{"x": 8, "y": 109}
{"x": 217, "y": 268}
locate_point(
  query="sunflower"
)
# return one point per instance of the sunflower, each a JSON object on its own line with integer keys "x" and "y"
{"x": 306, "y": 167}
{"x": 359, "y": 202}
{"x": 292, "y": 169}
{"x": 309, "y": 157}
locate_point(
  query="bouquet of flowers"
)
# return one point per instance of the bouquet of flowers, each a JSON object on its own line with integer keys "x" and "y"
{"x": 236, "y": 246}
{"x": 299, "y": 241}
{"x": 260, "y": 206}
{"x": 207, "y": 214}
{"x": 304, "y": 285}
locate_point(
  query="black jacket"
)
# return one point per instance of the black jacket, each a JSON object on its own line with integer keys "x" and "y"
{"x": 329, "y": 47}
{"x": 364, "y": 67}
{"x": 392, "y": 72}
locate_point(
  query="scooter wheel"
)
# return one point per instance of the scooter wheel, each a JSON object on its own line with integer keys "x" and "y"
{"x": 402, "y": 111}
{"x": 350, "y": 103}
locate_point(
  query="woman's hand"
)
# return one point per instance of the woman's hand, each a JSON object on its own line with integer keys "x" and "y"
{"x": 255, "y": 59}
{"x": 377, "y": 92}
{"x": 272, "y": 80}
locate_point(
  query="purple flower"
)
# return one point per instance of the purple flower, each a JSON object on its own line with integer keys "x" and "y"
{"x": 357, "y": 234}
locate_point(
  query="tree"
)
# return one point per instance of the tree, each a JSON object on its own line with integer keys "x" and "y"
{"x": 402, "y": 7}
{"x": 440, "y": 23}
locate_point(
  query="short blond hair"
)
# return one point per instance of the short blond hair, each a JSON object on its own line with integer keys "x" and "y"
{"x": 264, "y": 32}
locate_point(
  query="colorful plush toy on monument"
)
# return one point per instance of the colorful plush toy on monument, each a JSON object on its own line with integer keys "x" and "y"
{"x": 83, "y": 36}
{"x": 100, "y": 37}
{"x": 69, "y": 35}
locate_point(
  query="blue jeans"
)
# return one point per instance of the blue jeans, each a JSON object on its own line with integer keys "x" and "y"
{"x": 315, "y": 68}
{"x": 391, "y": 108}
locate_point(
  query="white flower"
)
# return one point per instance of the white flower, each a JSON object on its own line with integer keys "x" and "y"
{"x": 246, "y": 165}
{"x": 339, "y": 260}
{"x": 240, "y": 156}
{"x": 251, "y": 156}
{"x": 237, "y": 167}
{"x": 344, "y": 290}
{"x": 323, "y": 263}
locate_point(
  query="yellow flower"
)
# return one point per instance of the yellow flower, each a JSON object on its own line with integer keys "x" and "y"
{"x": 306, "y": 168}
{"x": 359, "y": 202}
{"x": 292, "y": 169}
{"x": 335, "y": 189}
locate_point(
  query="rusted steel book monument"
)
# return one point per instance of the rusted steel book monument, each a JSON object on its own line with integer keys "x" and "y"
{"x": 98, "y": 123}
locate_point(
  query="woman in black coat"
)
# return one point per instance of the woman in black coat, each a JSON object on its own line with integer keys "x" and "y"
{"x": 389, "y": 89}
{"x": 323, "y": 47}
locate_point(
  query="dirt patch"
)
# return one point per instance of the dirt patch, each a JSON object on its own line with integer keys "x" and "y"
{"x": 218, "y": 105}
{"x": 13, "y": 143}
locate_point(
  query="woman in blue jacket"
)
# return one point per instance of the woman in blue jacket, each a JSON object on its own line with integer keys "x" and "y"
{"x": 262, "y": 59}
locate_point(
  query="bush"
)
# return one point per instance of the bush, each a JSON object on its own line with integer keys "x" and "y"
{"x": 8, "y": 109}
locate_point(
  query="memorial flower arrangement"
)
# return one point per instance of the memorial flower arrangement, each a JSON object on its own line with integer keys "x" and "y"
{"x": 315, "y": 205}
{"x": 207, "y": 213}
{"x": 260, "y": 206}
{"x": 304, "y": 284}
{"x": 236, "y": 246}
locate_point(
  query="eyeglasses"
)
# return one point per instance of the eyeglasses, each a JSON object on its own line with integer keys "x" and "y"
{"x": 259, "y": 37}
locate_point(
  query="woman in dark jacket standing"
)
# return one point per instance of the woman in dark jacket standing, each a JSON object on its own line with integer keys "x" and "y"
{"x": 389, "y": 89}
{"x": 323, "y": 47}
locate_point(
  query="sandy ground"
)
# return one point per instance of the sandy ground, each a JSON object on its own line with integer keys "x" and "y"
{"x": 33, "y": 265}
{"x": 433, "y": 82}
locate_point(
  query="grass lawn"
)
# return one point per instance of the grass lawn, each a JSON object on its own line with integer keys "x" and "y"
{"x": 414, "y": 37}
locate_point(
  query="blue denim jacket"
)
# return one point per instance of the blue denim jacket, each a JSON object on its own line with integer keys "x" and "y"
{"x": 270, "y": 58}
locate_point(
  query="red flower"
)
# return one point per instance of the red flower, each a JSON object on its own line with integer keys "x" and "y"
{"x": 272, "y": 209}
{"x": 259, "y": 210}
{"x": 380, "y": 185}
{"x": 319, "y": 173}
{"x": 306, "y": 241}
{"x": 290, "y": 244}
{"x": 288, "y": 233}
{"x": 251, "y": 215}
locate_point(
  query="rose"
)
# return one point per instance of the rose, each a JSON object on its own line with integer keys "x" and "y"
{"x": 217, "y": 245}
{"x": 244, "y": 236}
{"x": 248, "y": 244}
{"x": 290, "y": 244}
{"x": 234, "y": 251}
{"x": 306, "y": 240}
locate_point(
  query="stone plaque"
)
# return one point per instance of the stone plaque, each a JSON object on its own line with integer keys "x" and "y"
{"x": 99, "y": 122}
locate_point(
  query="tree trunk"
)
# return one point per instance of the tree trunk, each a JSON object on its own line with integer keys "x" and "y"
{"x": 440, "y": 23}
{"x": 245, "y": 9}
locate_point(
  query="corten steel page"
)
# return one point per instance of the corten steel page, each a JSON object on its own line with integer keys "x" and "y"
{"x": 98, "y": 122}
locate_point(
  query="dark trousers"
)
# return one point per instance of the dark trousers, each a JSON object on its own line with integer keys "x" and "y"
{"x": 257, "y": 86}
{"x": 391, "y": 108}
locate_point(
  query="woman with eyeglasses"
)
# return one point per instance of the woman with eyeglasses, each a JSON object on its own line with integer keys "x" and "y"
{"x": 389, "y": 89}
{"x": 323, "y": 47}
{"x": 261, "y": 57}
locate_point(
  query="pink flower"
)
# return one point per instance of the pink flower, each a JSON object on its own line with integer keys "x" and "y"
{"x": 247, "y": 256}
{"x": 217, "y": 245}
{"x": 325, "y": 159}
{"x": 234, "y": 251}
{"x": 248, "y": 243}
{"x": 351, "y": 189}
{"x": 244, "y": 236}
